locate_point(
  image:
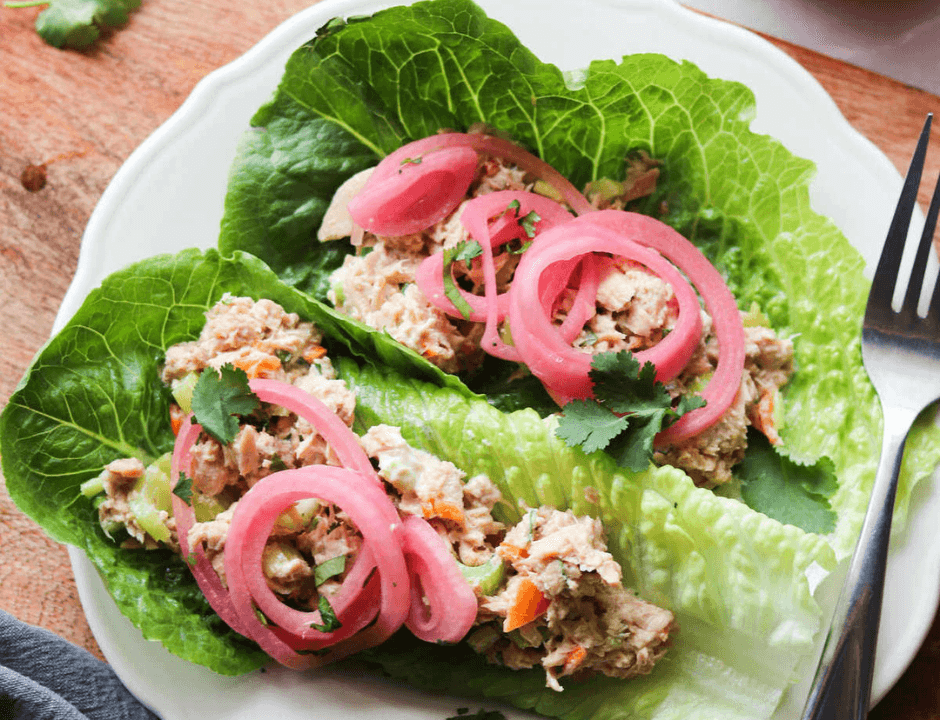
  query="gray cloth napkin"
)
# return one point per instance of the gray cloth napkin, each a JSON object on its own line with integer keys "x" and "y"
{"x": 44, "y": 677}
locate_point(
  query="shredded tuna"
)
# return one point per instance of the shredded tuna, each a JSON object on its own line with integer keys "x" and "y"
{"x": 591, "y": 622}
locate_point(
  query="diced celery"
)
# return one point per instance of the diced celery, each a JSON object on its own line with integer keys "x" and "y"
{"x": 277, "y": 557}
{"x": 154, "y": 484}
{"x": 338, "y": 293}
{"x": 754, "y": 317}
{"x": 486, "y": 577}
{"x": 182, "y": 390}
{"x": 148, "y": 517}
{"x": 550, "y": 191}
{"x": 605, "y": 189}
{"x": 299, "y": 515}
{"x": 95, "y": 486}
{"x": 483, "y": 638}
{"x": 205, "y": 507}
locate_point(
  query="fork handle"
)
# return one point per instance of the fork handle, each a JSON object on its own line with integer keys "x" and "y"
{"x": 842, "y": 686}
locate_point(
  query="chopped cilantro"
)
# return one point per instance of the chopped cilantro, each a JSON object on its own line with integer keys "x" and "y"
{"x": 629, "y": 408}
{"x": 330, "y": 621}
{"x": 184, "y": 489}
{"x": 409, "y": 161}
{"x": 329, "y": 568}
{"x": 527, "y": 223}
{"x": 219, "y": 398}
{"x": 464, "y": 250}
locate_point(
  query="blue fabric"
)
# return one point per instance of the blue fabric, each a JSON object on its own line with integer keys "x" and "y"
{"x": 44, "y": 677}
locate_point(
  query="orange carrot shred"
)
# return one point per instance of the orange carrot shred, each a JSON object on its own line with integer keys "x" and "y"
{"x": 528, "y": 604}
{"x": 314, "y": 353}
{"x": 574, "y": 658}
{"x": 444, "y": 510}
{"x": 176, "y": 418}
{"x": 764, "y": 418}
{"x": 259, "y": 368}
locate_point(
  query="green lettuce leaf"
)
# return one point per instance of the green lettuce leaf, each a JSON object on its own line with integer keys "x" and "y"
{"x": 736, "y": 579}
{"x": 93, "y": 394}
{"x": 368, "y": 85}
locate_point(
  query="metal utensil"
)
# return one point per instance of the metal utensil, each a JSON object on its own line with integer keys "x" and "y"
{"x": 901, "y": 352}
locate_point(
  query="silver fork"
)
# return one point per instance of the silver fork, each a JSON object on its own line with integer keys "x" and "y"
{"x": 901, "y": 352}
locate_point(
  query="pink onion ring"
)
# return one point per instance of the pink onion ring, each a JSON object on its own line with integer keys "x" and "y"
{"x": 184, "y": 515}
{"x": 562, "y": 368}
{"x": 422, "y": 182}
{"x": 724, "y": 384}
{"x": 252, "y": 522}
{"x": 443, "y": 605}
{"x": 423, "y": 191}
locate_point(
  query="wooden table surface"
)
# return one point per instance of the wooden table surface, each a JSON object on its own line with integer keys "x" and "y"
{"x": 80, "y": 114}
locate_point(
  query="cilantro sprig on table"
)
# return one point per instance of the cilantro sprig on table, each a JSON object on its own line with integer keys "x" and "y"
{"x": 77, "y": 23}
{"x": 628, "y": 409}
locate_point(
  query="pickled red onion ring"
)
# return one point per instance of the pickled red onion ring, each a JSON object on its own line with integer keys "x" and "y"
{"x": 564, "y": 370}
{"x": 363, "y": 502}
{"x": 184, "y": 515}
{"x": 443, "y": 605}
{"x": 478, "y": 218}
{"x": 342, "y": 441}
{"x": 423, "y": 192}
{"x": 408, "y": 191}
{"x": 724, "y": 384}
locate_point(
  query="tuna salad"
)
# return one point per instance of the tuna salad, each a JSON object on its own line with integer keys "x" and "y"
{"x": 392, "y": 283}
{"x": 544, "y": 592}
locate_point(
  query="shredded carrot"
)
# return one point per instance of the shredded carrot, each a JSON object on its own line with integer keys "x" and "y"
{"x": 176, "y": 418}
{"x": 314, "y": 353}
{"x": 574, "y": 658}
{"x": 511, "y": 553}
{"x": 444, "y": 510}
{"x": 260, "y": 367}
{"x": 528, "y": 604}
{"x": 764, "y": 418}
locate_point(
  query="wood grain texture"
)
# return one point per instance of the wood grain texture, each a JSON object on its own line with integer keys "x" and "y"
{"x": 81, "y": 114}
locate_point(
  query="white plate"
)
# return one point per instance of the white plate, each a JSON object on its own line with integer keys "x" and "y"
{"x": 169, "y": 195}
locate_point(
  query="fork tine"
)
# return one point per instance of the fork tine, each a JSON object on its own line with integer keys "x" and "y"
{"x": 912, "y": 296}
{"x": 930, "y": 227}
{"x": 882, "y": 290}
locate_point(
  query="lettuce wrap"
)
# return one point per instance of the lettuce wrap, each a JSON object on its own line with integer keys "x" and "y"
{"x": 736, "y": 579}
{"x": 365, "y": 86}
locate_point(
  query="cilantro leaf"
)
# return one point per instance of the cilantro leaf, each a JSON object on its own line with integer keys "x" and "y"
{"x": 219, "y": 398}
{"x": 590, "y": 425}
{"x": 77, "y": 23}
{"x": 786, "y": 490}
{"x": 329, "y": 568}
{"x": 330, "y": 621}
{"x": 464, "y": 250}
{"x": 629, "y": 408}
{"x": 184, "y": 489}
{"x": 527, "y": 223}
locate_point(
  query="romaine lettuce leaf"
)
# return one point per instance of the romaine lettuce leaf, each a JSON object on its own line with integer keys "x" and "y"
{"x": 362, "y": 88}
{"x": 736, "y": 579}
{"x": 93, "y": 394}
